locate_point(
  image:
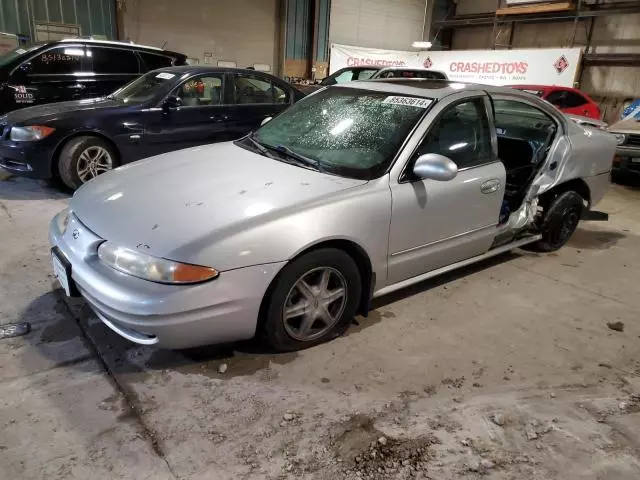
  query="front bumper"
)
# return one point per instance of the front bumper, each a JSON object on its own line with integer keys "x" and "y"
{"x": 30, "y": 159}
{"x": 170, "y": 316}
{"x": 627, "y": 160}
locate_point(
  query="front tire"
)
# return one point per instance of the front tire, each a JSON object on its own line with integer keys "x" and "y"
{"x": 314, "y": 300}
{"x": 560, "y": 222}
{"x": 83, "y": 158}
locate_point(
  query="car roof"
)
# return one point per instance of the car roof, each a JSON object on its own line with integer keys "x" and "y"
{"x": 544, "y": 87}
{"x": 421, "y": 87}
{"x": 112, "y": 43}
{"x": 412, "y": 69}
{"x": 212, "y": 69}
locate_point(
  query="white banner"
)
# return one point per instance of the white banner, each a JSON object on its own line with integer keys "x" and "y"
{"x": 541, "y": 66}
{"x": 346, "y": 56}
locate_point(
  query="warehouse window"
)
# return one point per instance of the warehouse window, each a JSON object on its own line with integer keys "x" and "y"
{"x": 113, "y": 60}
{"x": 251, "y": 89}
{"x": 202, "y": 90}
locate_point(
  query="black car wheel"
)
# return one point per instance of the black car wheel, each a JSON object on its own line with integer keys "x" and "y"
{"x": 314, "y": 300}
{"x": 560, "y": 221}
{"x": 84, "y": 158}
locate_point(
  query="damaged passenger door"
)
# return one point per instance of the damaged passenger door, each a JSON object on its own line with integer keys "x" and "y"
{"x": 436, "y": 222}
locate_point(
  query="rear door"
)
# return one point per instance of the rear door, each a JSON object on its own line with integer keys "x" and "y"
{"x": 252, "y": 98}
{"x": 437, "y": 223}
{"x": 110, "y": 69}
{"x": 201, "y": 118}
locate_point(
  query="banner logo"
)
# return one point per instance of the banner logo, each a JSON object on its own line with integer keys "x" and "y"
{"x": 561, "y": 64}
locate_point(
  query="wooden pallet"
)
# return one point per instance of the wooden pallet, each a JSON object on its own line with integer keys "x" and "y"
{"x": 538, "y": 8}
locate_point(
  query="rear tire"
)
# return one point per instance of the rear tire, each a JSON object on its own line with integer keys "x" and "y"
{"x": 560, "y": 222}
{"x": 314, "y": 300}
{"x": 83, "y": 158}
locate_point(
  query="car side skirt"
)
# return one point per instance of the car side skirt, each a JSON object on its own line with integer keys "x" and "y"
{"x": 434, "y": 273}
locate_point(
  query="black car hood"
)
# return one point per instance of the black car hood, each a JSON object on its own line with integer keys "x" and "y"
{"x": 53, "y": 111}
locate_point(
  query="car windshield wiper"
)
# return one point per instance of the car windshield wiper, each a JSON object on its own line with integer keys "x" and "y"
{"x": 300, "y": 158}
{"x": 259, "y": 146}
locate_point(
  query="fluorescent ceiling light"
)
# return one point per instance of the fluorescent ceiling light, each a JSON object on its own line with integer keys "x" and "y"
{"x": 420, "y": 44}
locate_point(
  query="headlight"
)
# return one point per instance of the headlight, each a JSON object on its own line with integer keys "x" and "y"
{"x": 62, "y": 220}
{"x": 620, "y": 137}
{"x": 30, "y": 133}
{"x": 152, "y": 268}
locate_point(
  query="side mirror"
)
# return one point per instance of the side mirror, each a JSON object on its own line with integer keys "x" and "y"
{"x": 266, "y": 120}
{"x": 435, "y": 167}
{"x": 172, "y": 102}
{"x": 328, "y": 81}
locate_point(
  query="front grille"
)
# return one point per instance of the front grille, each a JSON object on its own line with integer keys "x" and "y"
{"x": 633, "y": 140}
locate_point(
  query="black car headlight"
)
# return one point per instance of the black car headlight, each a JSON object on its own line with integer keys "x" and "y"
{"x": 30, "y": 133}
{"x": 620, "y": 137}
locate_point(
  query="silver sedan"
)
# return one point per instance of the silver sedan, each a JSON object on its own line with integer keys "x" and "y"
{"x": 354, "y": 192}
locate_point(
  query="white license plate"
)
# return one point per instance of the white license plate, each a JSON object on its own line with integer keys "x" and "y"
{"x": 61, "y": 273}
{"x": 635, "y": 160}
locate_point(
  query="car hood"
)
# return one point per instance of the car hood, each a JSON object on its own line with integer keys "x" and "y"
{"x": 53, "y": 111}
{"x": 628, "y": 125}
{"x": 176, "y": 204}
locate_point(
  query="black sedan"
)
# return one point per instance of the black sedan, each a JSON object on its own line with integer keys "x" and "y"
{"x": 163, "y": 110}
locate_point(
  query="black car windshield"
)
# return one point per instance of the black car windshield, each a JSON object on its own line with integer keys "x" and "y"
{"x": 11, "y": 55}
{"x": 145, "y": 87}
{"x": 346, "y": 131}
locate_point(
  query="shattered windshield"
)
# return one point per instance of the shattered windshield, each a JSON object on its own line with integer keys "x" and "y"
{"x": 350, "y": 132}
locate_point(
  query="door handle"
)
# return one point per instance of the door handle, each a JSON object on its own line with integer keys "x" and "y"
{"x": 78, "y": 86}
{"x": 490, "y": 186}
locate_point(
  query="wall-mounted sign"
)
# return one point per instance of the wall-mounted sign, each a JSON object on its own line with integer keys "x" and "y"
{"x": 540, "y": 66}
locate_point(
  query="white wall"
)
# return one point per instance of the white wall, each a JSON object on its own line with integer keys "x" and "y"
{"x": 392, "y": 24}
{"x": 243, "y": 31}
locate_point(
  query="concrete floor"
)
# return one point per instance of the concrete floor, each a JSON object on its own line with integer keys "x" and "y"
{"x": 506, "y": 370}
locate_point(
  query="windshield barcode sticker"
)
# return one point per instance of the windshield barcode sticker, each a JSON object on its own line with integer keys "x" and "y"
{"x": 408, "y": 101}
{"x": 165, "y": 75}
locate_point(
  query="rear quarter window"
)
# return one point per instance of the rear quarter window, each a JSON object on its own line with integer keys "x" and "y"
{"x": 152, "y": 61}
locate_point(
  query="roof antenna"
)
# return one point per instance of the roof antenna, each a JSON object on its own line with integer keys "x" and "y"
{"x": 164, "y": 44}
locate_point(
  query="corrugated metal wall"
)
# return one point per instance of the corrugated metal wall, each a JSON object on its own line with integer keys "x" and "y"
{"x": 298, "y": 35}
{"x": 392, "y": 24}
{"x": 322, "y": 43}
{"x": 95, "y": 17}
{"x": 307, "y": 37}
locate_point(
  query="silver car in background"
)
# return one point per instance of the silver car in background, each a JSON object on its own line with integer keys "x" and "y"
{"x": 352, "y": 193}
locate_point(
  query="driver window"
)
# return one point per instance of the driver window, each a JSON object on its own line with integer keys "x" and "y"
{"x": 461, "y": 133}
{"x": 346, "y": 76}
{"x": 202, "y": 90}
{"x": 558, "y": 98}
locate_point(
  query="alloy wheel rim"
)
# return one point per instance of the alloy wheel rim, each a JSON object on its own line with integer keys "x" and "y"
{"x": 314, "y": 304}
{"x": 92, "y": 162}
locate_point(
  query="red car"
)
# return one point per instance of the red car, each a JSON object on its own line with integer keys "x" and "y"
{"x": 565, "y": 99}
